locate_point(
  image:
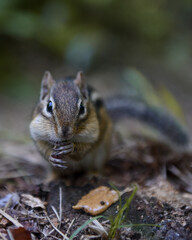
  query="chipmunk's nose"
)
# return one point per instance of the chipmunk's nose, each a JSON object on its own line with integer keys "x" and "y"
{"x": 66, "y": 131}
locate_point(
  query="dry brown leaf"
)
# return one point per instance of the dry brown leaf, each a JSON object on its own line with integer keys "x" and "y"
{"x": 19, "y": 233}
{"x": 31, "y": 201}
{"x": 97, "y": 200}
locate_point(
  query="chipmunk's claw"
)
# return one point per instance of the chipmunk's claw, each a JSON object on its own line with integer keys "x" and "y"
{"x": 57, "y": 162}
{"x": 64, "y": 149}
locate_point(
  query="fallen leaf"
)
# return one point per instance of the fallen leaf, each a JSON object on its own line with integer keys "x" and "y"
{"x": 19, "y": 234}
{"x": 97, "y": 200}
{"x": 31, "y": 201}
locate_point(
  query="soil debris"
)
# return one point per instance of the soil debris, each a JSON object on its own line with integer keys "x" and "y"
{"x": 164, "y": 197}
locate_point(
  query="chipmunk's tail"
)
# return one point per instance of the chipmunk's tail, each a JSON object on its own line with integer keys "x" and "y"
{"x": 156, "y": 117}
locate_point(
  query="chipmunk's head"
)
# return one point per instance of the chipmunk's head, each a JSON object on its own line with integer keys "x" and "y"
{"x": 63, "y": 110}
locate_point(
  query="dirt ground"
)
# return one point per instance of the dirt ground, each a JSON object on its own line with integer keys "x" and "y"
{"x": 164, "y": 196}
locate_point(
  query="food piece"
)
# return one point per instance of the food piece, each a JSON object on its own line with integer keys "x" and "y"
{"x": 97, "y": 200}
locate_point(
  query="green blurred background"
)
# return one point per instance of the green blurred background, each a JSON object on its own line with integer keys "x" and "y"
{"x": 102, "y": 38}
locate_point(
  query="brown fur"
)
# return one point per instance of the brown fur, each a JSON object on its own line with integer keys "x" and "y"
{"x": 90, "y": 136}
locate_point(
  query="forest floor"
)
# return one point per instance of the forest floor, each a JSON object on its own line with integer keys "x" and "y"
{"x": 38, "y": 209}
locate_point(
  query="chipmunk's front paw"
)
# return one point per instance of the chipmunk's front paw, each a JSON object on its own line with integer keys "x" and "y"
{"x": 59, "y": 153}
{"x": 64, "y": 149}
{"x": 57, "y": 162}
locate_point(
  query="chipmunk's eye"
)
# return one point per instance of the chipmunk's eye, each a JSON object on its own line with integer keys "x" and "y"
{"x": 50, "y": 107}
{"x": 81, "y": 109}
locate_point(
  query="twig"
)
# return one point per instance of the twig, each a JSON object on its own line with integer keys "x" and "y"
{"x": 56, "y": 229}
{"x": 128, "y": 189}
{"x": 48, "y": 234}
{"x": 11, "y": 219}
{"x": 59, "y": 216}
{"x": 69, "y": 226}
{"x": 90, "y": 236}
{"x": 55, "y": 237}
{"x": 3, "y": 237}
{"x": 56, "y": 213}
{"x": 98, "y": 228}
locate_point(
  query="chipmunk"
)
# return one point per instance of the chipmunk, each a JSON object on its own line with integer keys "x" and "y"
{"x": 72, "y": 126}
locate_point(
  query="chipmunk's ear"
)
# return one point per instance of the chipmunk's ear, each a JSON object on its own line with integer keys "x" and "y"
{"x": 80, "y": 82}
{"x": 46, "y": 84}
